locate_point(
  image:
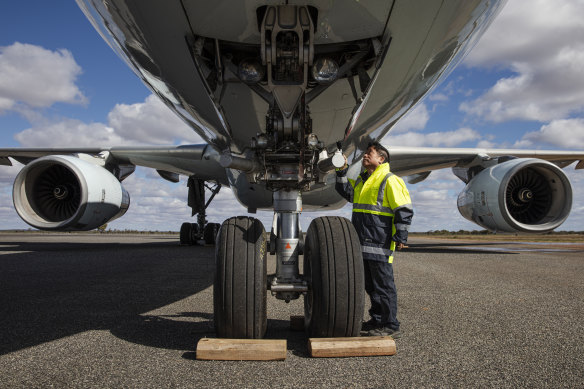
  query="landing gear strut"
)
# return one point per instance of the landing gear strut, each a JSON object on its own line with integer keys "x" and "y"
{"x": 286, "y": 242}
{"x": 192, "y": 233}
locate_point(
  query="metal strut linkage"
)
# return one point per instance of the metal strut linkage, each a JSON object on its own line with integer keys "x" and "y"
{"x": 196, "y": 200}
{"x": 287, "y": 243}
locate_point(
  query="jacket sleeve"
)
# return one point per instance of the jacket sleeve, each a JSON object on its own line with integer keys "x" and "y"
{"x": 402, "y": 218}
{"x": 401, "y": 204}
{"x": 343, "y": 186}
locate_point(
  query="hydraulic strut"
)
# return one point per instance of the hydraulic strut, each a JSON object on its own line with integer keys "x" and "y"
{"x": 287, "y": 284}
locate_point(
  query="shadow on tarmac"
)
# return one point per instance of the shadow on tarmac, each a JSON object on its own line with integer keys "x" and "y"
{"x": 53, "y": 290}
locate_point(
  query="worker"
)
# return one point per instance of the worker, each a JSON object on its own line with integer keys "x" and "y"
{"x": 382, "y": 214}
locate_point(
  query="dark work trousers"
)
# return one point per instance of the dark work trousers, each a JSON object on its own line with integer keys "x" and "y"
{"x": 380, "y": 287}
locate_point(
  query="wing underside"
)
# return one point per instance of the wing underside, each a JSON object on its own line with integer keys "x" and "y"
{"x": 200, "y": 161}
{"x": 410, "y": 161}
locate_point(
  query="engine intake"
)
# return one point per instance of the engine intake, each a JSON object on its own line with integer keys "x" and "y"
{"x": 520, "y": 195}
{"x": 67, "y": 193}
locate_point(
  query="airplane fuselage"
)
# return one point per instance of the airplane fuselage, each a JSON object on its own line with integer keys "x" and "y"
{"x": 189, "y": 54}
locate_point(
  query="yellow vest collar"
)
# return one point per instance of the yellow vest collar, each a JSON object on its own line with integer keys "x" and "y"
{"x": 381, "y": 170}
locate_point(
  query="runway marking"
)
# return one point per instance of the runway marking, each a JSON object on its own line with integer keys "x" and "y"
{"x": 14, "y": 252}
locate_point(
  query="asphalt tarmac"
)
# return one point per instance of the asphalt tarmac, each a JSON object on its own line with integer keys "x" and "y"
{"x": 111, "y": 311}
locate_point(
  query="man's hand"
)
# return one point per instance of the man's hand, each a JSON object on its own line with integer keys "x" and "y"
{"x": 401, "y": 246}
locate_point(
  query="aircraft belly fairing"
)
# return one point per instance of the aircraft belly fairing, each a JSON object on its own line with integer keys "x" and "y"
{"x": 253, "y": 196}
{"x": 339, "y": 21}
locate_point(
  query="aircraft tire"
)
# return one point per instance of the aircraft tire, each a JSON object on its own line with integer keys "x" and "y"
{"x": 195, "y": 235}
{"x": 333, "y": 267}
{"x": 186, "y": 234}
{"x": 210, "y": 232}
{"x": 240, "y": 286}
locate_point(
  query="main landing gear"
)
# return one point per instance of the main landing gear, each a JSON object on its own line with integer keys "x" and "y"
{"x": 193, "y": 233}
{"x": 332, "y": 283}
{"x": 287, "y": 72}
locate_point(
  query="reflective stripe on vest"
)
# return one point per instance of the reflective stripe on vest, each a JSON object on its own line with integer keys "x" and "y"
{"x": 377, "y": 251}
{"x": 382, "y": 189}
{"x": 375, "y": 207}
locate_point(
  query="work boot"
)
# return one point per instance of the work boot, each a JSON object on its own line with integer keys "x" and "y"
{"x": 369, "y": 325}
{"x": 384, "y": 331}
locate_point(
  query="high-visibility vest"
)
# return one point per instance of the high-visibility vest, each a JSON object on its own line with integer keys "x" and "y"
{"x": 375, "y": 203}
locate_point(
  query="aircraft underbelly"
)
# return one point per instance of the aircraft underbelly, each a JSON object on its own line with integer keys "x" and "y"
{"x": 338, "y": 21}
{"x": 427, "y": 37}
{"x": 321, "y": 197}
{"x": 158, "y": 39}
{"x": 235, "y": 21}
{"x": 420, "y": 54}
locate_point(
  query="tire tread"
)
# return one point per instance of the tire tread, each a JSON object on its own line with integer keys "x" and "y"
{"x": 337, "y": 278}
{"x": 240, "y": 282}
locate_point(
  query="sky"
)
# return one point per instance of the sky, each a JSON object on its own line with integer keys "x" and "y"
{"x": 61, "y": 85}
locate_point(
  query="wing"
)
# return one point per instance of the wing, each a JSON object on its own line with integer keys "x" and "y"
{"x": 420, "y": 161}
{"x": 507, "y": 190}
{"x": 201, "y": 161}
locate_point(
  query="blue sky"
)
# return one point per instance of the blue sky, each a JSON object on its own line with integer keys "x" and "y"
{"x": 61, "y": 85}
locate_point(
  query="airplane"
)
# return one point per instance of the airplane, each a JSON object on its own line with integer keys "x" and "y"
{"x": 281, "y": 91}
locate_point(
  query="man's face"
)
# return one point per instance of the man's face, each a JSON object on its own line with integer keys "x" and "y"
{"x": 371, "y": 159}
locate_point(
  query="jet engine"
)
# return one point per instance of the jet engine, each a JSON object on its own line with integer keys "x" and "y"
{"x": 67, "y": 193}
{"x": 519, "y": 195}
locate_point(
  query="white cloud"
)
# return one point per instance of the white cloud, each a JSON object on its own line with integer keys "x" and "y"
{"x": 439, "y": 97}
{"x": 576, "y": 219}
{"x": 434, "y": 202}
{"x": 37, "y": 77}
{"x": 545, "y": 57}
{"x": 5, "y": 103}
{"x": 69, "y": 133}
{"x": 442, "y": 179}
{"x": 486, "y": 144}
{"x": 564, "y": 133}
{"x": 155, "y": 204}
{"x": 526, "y": 30}
{"x": 434, "y": 139}
{"x": 8, "y": 216}
{"x": 150, "y": 122}
{"x": 161, "y": 205}
{"x": 147, "y": 123}
{"x": 431, "y": 196}
{"x": 8, "y": 173}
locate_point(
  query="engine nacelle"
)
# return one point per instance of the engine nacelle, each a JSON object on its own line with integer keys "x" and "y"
{"x": 520, "y": 195}
{"x": 66, "y": 193}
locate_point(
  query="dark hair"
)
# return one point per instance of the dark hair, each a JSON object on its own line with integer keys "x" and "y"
{"x": 380, "y": 150}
